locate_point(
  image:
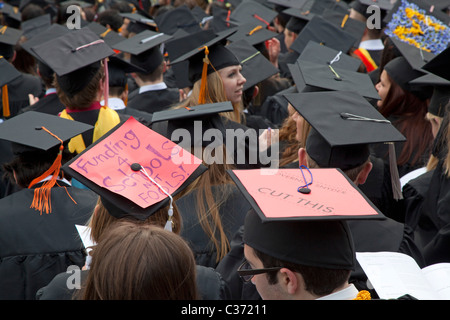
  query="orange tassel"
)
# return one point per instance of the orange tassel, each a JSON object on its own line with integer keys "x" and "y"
{"x": 204, "y": 80}
{"x": 126, "y": 98}
{"x": 5, "y": 102}
{"x": 42, "y": 195}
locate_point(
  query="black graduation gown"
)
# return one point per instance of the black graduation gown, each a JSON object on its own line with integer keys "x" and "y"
{"x": 18, "y": 91}
{"x": 155, "y": 100}
{"x": 232, "y": 214}
{"x": 432, "y": 233}
{"x": 210, "y": 284}
{"x": 34, "y": 248}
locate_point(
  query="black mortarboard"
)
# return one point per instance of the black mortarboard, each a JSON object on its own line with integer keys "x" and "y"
{"x": 362, "y": 5}
{"x": 252, "y": 33}
{"x": 39, "y": 134}
{"x": 126, "y": 187}
{"x": 343, "y": 127}
{"x": 298, "y": 19}
{"x": 145, "y": 49}
{"x": 343, "y": 21}
{"x": 252, "y": 11}
{"x": 255, "y": 67}
{"x": 9, "y": 36}
{"x": 26, "y": 133}
{"x": 118, "y": 69}
{"x": 411, "y": 21}
{"x": 36, "y": 25}
{"x": 54, "y": 31}
{"x": 402, "y": 73}
{"x": 110, "y": 36}
{"x": 416, "y": 57}
{"x": 439, "y": 65}
{"x": 439, "y": 100}
{"x": 139, "y": 22}
{"x": 75, "y": 57}
{"x": 7, "y": 72}
{"x": 326, "y": 33}
{"x": 219, "y": 56}
{"x": 203, "y": 116}
{"x": 303, "y": 228}
{"x": 11, "y": 12}
{"x": 326, "y": 76}
{"x": 318, "y": 53}
{"x": 290, "y": 3}
{"x": 178, "y": 18}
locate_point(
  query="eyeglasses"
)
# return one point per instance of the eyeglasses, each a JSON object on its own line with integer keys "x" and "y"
{"x": 246, "y": 272}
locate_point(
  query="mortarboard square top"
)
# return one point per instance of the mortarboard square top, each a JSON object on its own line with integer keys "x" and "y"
{"x": 252, "y": 11}
{"x": 252, "y": 33}
{"x": 73, "y": 51}
{"x": 440, "y": 65}
{"x": 7, "y": 72}
{"x": 9, "y": 35}
{"x": 255, "y": 67}
{"x": 344, "y": 124}
{"x": 326, "y": 33}
{"x": 54, "y": 31}
{"x": 177, "y": 18}
{"x": 325, "y": 76}
{"x": 416, "y": 57}
{"x": 134, "y": 170}
{"x": 110, "y": 36}
{"x": 290, "y": 3}
{"x": 11, "y": 11}
{"x": 36, "y": 25}
{"x": 321, "y": 54}
{"x": 26, "y": 133}
{"x": 411, "y": 21}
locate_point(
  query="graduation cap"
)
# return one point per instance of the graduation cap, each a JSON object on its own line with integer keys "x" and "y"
{"x": 298, "y": 4}
{"x": 252, "y": 11}
{"x": 118, "y": 69}
{"x": 8, "y": 73}
{"x": 205, "y": 115}
{"x": 416, "y": 57}
{"x": 362, "y": 5}
{"x": 326, "y": 33}
{"x": 110, "y": 36}
{"x": 41, "y": 133}
{"x": 298, "y": 19}
{"x": 343, "y": 21}
{"x": 9, "y": 36}
{"x": 343, "y": 127}
{"x": 11, "y": 12}
{"x": 321, "y": 54}
{"x": 133, "y": 170}
{"x": 36, "y": 25}
{"x": 439, "y": 65}
{"x": 306, "y": 229}
{"x": 75, "y": 57}
{"x": 411, "y": 21}
{"x": 207, "y": 57}
{"x": 252, "y": 33}
{"x": 255, "y": 67}
{"x": 139, "y": 22}
{"x": 145, "y": 49}
{"x": 325, "y": 76}
{"x": 403, "y": 73}
{"x": 178, "y": 18}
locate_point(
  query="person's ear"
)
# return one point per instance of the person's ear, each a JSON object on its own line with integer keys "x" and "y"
{"x": 302, "y": 157}
{"x": 289, "y": 280}
{"x": 364, "y": 173}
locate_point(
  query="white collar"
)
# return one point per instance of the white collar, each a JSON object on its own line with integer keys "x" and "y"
{"x": 348, "y": 293}
{"x": 59, "y": 179}
{"x": 152, "y": 87}
{"x": 50, "y": 91}
{"x": 374, "y": 44}
{"x": 114, "y": 103}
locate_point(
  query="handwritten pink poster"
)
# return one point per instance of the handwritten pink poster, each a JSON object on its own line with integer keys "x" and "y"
{"x": 109, "y": 163}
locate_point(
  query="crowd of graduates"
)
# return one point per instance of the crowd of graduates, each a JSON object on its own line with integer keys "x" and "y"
{"x": 90, "y": 119}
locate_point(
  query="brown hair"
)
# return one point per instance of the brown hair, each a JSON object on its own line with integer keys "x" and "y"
{"x": 214, "y": 94}
{"x": 84, "y": 98}
{"x": 410, "y": 113}
{"x": 141, "y": 262}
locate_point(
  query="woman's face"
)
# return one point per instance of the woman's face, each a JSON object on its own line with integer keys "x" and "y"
{"x": 233, "y": 82}
{"x": 299, "y": 125}
{"x": 383, "y": 87}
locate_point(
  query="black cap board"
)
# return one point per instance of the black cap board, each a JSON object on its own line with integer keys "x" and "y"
{"x": 252, "y": 11}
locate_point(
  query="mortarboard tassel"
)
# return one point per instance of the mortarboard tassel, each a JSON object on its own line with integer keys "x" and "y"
{"x": 42, "y": 195}
{"x": 204, "y": 80}
{"x": 106, "y": 84}
{"x": 395, "y": 179}
{"x": 5, "y": 102}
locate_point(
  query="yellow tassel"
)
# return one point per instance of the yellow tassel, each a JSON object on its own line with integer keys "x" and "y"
{"x": 363, "y": 295}
{"x": 5, "y": 102}
{"x": 344, "y": 20}
{"x": 204, "y": 80}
